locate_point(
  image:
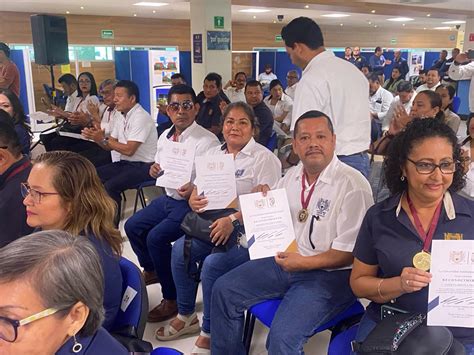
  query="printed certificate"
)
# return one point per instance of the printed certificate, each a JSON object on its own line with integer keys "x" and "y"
{"x": 176, "y": 162}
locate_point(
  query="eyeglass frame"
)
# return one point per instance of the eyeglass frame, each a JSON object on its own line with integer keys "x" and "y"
{"x": 26, "y": 191}
{"x": 178, "y": 105}
{"x": 18, "y": 323}
{"x": 455, "y": 163}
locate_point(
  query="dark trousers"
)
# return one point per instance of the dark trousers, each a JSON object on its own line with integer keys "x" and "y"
{"x": 151, "y": 231}
{"x": 123, "y": 175}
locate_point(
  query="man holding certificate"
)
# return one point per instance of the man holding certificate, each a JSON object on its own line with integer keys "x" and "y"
{"x": 152, "y": 229}
{"x": 393, "y": 249}
{"x": 328, "y": 200}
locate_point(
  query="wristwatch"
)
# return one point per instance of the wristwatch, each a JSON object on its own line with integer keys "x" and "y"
{"x": 105, "y": 141}
{"x": 234, "y": 220}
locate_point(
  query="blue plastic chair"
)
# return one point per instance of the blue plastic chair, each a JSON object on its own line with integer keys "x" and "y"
{"x": 341, "y": 343}
{"x": 129, "y": 325}
{"x": 456, "y": 103}
{"x": 165, "y": 351}
{"x": 265, "y": 312}
{"x": 272, "y": 142}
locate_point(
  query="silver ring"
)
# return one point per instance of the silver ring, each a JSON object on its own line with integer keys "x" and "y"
{"x": 408, "y": 282}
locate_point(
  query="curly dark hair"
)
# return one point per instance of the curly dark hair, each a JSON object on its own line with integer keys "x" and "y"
{"x": 403, "y": 143}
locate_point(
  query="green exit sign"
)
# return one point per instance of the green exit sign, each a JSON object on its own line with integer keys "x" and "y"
{"x": 107, "y": 34}
{"x": 393, "y": 41}
{"x": 218, "y": 21}
{"x": 278, "y": 38}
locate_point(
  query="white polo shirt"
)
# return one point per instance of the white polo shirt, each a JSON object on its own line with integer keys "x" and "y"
{"x": 395, "y": 103}
{"x": 464, "y": 72}
{"x": 72, "y": 102}
{"x": 196, "y": 135}
{"x": 380, "y": 101}
{"x": 80, "y": 104}
{"x": 285, "y": 104}
{"x": 425, "y": 87}
{"x": 138, "y": 126}
{"x": 110, "y": 117}
{"x": 340, "y": 199}
{"x": 235, "y": 95}
{"x": 337, "y": 88}
{"x": 290, "y": 90}
{"x": 254, "y": 165}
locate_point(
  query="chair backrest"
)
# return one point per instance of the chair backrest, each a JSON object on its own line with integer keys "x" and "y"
{"x": 456, "y": 103}
{"x": 132, "y": 315}
{"x": 341, "y": 344}
{"x": 165, "y": 351}
{"x": 272, "y": 142}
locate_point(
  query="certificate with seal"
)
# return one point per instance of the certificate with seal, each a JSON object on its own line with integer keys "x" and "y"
{"x": 451, "y": 291}
{"x": 215, "y": 180}
{"x": 268, "y": 224}
{"x": 176, "y": 162}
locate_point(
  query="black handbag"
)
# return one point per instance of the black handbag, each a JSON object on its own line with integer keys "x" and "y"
{"x": 407, "y": 333}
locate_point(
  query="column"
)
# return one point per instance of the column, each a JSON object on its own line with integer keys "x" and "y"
{"x": 212, "y": 16}
{"x": 468, "y": 35}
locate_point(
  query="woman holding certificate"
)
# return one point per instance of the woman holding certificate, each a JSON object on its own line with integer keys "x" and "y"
{"x": 392, "y": 252}
{"x": 252, "y": 165}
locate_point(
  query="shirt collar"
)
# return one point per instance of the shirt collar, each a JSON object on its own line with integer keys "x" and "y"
{"x": 247, "y": 150}
{"x": 327, "y": 176}
{"x": 186, "y": 133}
{"x": 129, "y": 113}
{"x": 447, "y": 204}
{"x": 318, "y": 58}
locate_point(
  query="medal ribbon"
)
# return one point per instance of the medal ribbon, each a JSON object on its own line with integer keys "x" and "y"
{"x": 427, "y": 237}
{"x": 305, "y": 202}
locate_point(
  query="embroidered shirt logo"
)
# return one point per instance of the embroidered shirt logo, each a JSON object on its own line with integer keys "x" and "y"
{"x": 239, "y": 173}
{"x": 322, "y": 207}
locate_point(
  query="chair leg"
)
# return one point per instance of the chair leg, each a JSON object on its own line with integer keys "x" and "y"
{"x": 142, "y": 198}
{"x": 136, "y": 201}
{"x": 248, "y": 330}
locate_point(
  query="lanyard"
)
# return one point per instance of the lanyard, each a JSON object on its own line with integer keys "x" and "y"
{"x": 79, "y": 104}
{"x": 427, "y": 237}
{"x": 305, "y": 202}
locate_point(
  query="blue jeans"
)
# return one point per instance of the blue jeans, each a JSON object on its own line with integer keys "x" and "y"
{"x": 151, "y": 231}
{"x": 310, "y": 299}
{"x": 215, "y": 265}
{"x": 359, "y": 161}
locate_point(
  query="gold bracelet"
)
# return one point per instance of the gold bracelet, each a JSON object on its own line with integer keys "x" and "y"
{"x": 378, "y": 288}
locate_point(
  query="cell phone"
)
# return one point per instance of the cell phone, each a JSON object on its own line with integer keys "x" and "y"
{"x": 470, "y": 53}
{"x": 388, "y": 311}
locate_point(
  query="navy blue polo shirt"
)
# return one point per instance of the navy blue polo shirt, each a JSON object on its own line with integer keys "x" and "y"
{"x": 387, "y": 238}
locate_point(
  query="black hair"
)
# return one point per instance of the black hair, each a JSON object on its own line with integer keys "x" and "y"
{"x": 451, "y": 92}
{"x": 244, "y": 107}
{"x": 366, "y": 66}
{"x": 253, "y": 83}
{"x": 433, "y": 69}
{"x": 8, "y": 136}
{"x": 404, "y": 86}
{"x": 377, "y": 49}
{"x": 240, "y": 73}
{"x": 268, "y": 66}
{"x": 313, "y": 114}
{"x": 404, "y": 142}
{"x": 275, "y": 82}
{"x": 131, "y": 87}
{"x": 303, "y": 30}
{"x": 373, "y": 77}
{"x": 93, "y": 84}
{"x": 5, "y": 49}
{"x": 178, "y": 76}
{"x": 68, "y": 79}
{"x": 214, "y": 77}
{"x": 19, "y": 116}
{"x": 422, "y": 71}
{"x": 182, "y": 89}
{"x": 435, "y": 101}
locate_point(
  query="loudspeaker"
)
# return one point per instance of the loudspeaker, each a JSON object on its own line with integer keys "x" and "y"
{"x": 50, "y": 39}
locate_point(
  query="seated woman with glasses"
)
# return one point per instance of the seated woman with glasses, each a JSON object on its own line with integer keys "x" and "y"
{"x": 392, "y": 251}
{"x": 51, "y": 295}
{"x": 254, "y": 165}
{"x": 64, "y": 192}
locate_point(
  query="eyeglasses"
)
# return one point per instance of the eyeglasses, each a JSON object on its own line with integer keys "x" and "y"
{"x": 9, "y": 327}
{"x": 35, "y": 194}
{"x": 84, "y": 81}
{"x": 185, "y": 105}
{"x": 423, "y": 167}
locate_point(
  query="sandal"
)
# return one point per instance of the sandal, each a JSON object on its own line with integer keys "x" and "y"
{"x": 197, "y": 350}
{"x": 191, "y": 326}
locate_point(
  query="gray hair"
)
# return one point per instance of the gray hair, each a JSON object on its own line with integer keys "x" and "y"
{"x": 63, "y": 270}
{"x": 294, "y": 72}
{"x": 107, "y": 82}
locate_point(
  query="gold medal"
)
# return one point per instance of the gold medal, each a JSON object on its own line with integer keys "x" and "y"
{"x": 303, "y": 215}
{"x": 422, "y": 260}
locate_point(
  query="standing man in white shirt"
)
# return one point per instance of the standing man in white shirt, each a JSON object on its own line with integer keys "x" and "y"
{"x": 379, "y": 103}
{"x": 266, "y": 77}
{"x": 235, "y": 89}
{"x": 314, "y": 281}
{"x": 463, "y": 69}
{"x": 433, "y": 80}
{"x": 333, "y": 86}
{"x": 134, "y": 137}
{"x": 152, "y": 229}
{"x": 292, "y": 78}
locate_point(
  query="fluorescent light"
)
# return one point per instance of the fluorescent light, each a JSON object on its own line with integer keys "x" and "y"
{"x": 400, "y": 19}
{"x": 336, "y": 15}
{"x": 151, "y": 4}
{"x": 457, "y": 22}
{"x": 442, "y": 28}
{"x": 255, "y": 11}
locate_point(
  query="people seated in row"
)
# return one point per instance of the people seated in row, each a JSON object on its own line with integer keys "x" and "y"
{"x": 134, "y": 137}
{"x": 432, "y": 81}
{"x": 9, "y": 73}
{"x": 64, "y": 192}
{"x": 420, "y": 79}
{"x": 14, "y": 169}
{"x": 51, "y": 297}
{"x": 404, "y": 99}
{"x": 314, "y": 281}
{"x": 235, "y": 89}
{"x": 467, "y": 147}
{"x": 280, "y": 104}
{"x": 447, "y": 93}
{"x": 392, "y": 83}
{"x": 152, "y": 230}
{"x": 254, "y": 165}
{"x": 10, "y": 103}
{"x": 423, "y": 175}
{"x": 380, "y": 100}
{"x": 292, "y": 78}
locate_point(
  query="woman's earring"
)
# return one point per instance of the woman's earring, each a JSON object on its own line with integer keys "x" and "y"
{"x": 402, "y": 178}
{"x": 77, "y": 347}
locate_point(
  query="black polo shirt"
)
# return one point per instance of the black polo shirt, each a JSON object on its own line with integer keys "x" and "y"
{"x": 265, "y": 122}
{"x": 209, "y": 112}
